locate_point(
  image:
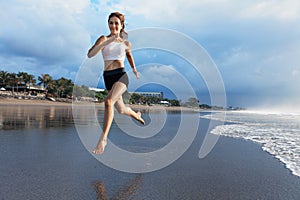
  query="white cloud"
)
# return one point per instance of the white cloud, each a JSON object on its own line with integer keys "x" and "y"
{"x": 157, "y": 73}
{"x": 45, "y": 32}
{"x": 166, "y": 76}
{"x": 282, "y": 10}
{"x": 295, "y": 72}
{"x": 255, "y": 43}
{"x": 201, "y": 13}
{"x": 235, "y": 56}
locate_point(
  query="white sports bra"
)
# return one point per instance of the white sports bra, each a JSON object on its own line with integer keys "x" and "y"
{"x": 114, "y": 51}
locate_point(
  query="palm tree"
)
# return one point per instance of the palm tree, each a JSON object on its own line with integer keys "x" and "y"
{"x": 31, "y": 80}
{"x": 47, "y": 81}
{"x": 27, "y": 79}
{"x": 12, "y": 80}
{"x": 20, "y": 79}
{"x": 44, "y": 79}
{"x": 4, "y": 78}
{"x": 64, "y": 87}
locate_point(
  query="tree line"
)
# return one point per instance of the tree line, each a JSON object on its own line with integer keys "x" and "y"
{"x": 61, "y": 88}
{"x": 65, "y": 88}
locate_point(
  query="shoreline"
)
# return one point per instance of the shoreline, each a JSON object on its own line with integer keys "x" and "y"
{"x": 35, "y": 102}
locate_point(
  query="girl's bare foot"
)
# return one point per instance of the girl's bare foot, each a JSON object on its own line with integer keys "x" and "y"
{"x": 139, "y": 118}
{"x": 100, "y": 147}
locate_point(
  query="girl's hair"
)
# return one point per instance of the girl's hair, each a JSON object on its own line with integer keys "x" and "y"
{"x": 122, "y": 19}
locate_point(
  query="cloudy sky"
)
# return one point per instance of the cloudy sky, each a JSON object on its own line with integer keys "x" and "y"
{"x": 254, "y": 44}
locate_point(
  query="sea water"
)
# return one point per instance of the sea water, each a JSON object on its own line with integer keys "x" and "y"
{"x": 277, "y": 132}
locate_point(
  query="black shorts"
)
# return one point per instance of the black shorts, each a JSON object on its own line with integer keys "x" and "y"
{"x": 116, "y": 75}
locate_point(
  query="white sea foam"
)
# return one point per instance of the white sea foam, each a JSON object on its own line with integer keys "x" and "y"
{"x": 279, "y": 133}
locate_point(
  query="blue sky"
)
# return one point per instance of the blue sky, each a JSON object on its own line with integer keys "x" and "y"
{"x": 255, "y": 44}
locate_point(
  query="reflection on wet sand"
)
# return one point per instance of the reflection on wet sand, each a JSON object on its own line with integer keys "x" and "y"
{"x": 24, "y": 116}
{"x": 126, "y": 192}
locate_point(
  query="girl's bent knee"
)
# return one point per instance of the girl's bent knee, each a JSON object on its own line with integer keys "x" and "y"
{"x": 108, "y": 102}
{"x": 121, "y": 111}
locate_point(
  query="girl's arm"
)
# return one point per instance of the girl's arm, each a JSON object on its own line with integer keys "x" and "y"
{"x": 131, "y": 60}
{"x": 99, "y": 45}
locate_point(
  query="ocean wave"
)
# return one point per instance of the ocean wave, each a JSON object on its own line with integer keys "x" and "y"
{"x": 278, "y": 134}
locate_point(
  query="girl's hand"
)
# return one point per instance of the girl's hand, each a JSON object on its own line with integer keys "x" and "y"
{"x": 113, "y": 38}
{"x": 117, "y": 38}
{"x": 136, "y": 74}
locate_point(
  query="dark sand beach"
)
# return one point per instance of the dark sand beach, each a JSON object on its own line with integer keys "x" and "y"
{"x": 42, "y": 157}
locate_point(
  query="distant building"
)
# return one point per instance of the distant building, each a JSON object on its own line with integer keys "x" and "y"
{"x": 159, "y": 95}
{"x": 96, "y": 89}
{"x": 24, "y": 88}
{"x": 165, "y": 103}
{"x": 24, "y": 92}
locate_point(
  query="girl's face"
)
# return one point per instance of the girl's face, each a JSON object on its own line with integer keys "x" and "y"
{"x": 115, "y": 25}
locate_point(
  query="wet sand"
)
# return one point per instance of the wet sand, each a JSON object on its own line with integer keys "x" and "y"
{"x": 14, "y": 101}
{"x": 50, "y": 162}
